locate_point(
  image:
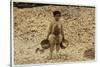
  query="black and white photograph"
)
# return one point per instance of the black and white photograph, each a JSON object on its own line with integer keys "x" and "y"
{"x": 52, "y": 33}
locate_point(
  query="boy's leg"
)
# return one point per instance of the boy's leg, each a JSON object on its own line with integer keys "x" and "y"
{"x": 59, "y": 41}
{"x": 57, "y": 50}
{"x": 52, "y": 44}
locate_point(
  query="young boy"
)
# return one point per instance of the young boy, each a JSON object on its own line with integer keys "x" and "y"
{"x": 55, "y": 33}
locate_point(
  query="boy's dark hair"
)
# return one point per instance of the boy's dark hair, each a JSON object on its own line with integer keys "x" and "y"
{"x": 56, "y": 12}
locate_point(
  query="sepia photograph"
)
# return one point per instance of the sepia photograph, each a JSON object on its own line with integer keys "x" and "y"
{"x": 52, "y": 33}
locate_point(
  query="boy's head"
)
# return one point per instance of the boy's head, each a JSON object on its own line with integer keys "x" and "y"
{"x": 57, "y": 15}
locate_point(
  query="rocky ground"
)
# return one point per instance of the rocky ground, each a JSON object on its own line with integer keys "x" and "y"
{"x": 31, "y": 27}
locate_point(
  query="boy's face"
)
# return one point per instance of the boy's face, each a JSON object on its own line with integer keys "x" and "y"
{"x": 57, "y": 17}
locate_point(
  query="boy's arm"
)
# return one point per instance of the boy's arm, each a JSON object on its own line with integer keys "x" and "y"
{"x": 49, "y": 31}
{"x": 62, "y": 32}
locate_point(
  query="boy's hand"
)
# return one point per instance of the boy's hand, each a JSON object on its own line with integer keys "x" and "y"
{"x": 47, "y": 38}
{"x": 63, "y": 39}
